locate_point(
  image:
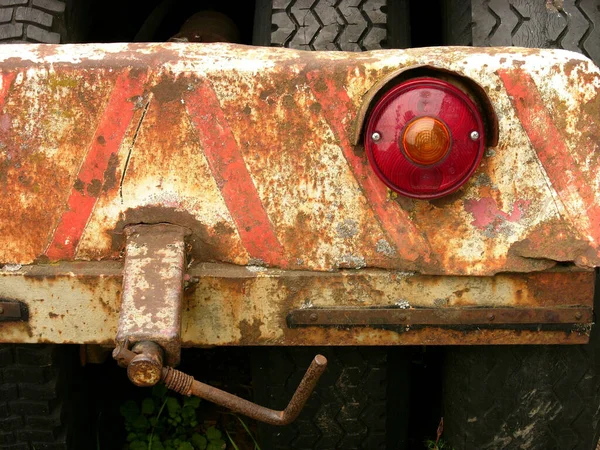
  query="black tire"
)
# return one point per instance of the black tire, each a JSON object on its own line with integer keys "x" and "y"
{"x": 35, "y": 410}
{"x": 349, "y": 408}
{"x": 567, "y": 24}
{"x": 41, "y": 21}
{"x": 348, "y": 25}
{"x": 543, "y": 397}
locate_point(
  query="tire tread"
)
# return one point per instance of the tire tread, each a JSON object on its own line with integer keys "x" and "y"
{"x": 347, "y": 409}
{"x": 31, "y": 412}
{"x": 567, "y": 24}
{"x": 348, "y": 25}
{"x": 31, "y": 21}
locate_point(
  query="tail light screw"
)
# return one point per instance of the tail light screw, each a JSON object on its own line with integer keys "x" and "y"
{"x": 474, "y": 135}
{"x": 376, "y": 136}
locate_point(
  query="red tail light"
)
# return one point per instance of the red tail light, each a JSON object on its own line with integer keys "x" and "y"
{"x": 425, "y": 138}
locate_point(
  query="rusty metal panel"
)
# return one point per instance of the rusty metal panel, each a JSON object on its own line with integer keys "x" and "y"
{"x": 153, "y": 288}
{"x": 254, "y": 150}
{"x": 232, "y": 305}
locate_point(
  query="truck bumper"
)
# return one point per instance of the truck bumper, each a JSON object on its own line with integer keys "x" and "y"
{"x": 257, "y": 153}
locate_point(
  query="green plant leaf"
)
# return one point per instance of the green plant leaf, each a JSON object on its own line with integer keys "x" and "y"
{"x": 138, "y": 445}
{"x": 256, "y": 446}
{"x": 185, "y": 446}
{"x": 157, "y": 444}
{"x": 192, "y": 401}
{"x": 141, "y": 423}
{"x": 129, "y": 410}
{"x": 213, "y": 434}
{"x": 199, "y": 441}
{"x": 173, "y": 407}
{"x": 235, "y": 447}
{"x": 159, "y": 390}
{"x": 216, "y": 445}
{"x": 148, "y": 406}
{"x": 188, "y": 412}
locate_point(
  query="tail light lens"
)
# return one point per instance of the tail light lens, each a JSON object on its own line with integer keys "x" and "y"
{"x": 425, "y": 138}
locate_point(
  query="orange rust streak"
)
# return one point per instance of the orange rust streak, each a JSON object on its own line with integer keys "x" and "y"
{"x": 232, "y": 176}
{"x": 106, "y": 142}
{"x": 549, "y": 144}
{"x": 395, "y": 222}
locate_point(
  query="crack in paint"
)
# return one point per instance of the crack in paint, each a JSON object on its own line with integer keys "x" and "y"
{"x": 135, "y": 135}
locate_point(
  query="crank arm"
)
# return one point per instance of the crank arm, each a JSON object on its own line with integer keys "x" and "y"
{"x": 187, "y": 385}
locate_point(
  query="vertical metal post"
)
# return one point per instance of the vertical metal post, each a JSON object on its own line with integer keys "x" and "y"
{"x": 153, "y": 288}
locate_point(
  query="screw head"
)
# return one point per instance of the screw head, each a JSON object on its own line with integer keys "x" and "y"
{"x": 376, "y": 136}
{"x": 491, "y": 317}
{"x": 313, "y": 317}
{"x": 474, "y": 135}
{"x": 578, "y": 315}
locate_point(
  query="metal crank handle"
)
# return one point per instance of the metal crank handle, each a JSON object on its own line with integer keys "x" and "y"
{"x": 187, "y": 385}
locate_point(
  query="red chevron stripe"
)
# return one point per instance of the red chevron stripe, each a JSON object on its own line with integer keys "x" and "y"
{"x": 395, "y": 222}
{"x": 7, "y": 81}
{"x": 232, "y": 176}
{"x": 562, "y": 169}
{"x": 106, "y": 142}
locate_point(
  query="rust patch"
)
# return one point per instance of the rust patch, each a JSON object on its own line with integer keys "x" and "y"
{"x": 250, "y": 331}
{"x": 551, "y": 289}
{"x": 169, "y": 89}
{"x": 551, "y": 238}
{"x": 93, "y": 189}
{"x": 110, "y": 177}
{"x": 205, "y": 244}
{"x": 79, "y": 186}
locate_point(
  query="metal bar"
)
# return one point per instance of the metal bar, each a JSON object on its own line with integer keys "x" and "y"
{"x": 153, "y": 287}
{"x": 236, "y": 305}
{"x": 185, "y": 384}
{"x": 437, "y": 316}
{"x": 273, "y": 417}
{"x": 11, "y": 311}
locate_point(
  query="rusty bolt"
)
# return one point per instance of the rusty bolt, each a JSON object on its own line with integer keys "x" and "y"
{"x": 376, "y": 136}
{"x": 145, "y": 368}
{"x": 402, "y": 318}
{"x": 313, "y": 317}
{"x": 578, "y": 316}
{"x": 491, "y": 317}
{"x": 1, "y": 310}
{"x": 474, "y": 135}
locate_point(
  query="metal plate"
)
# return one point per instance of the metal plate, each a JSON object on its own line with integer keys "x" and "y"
{"x": 152, "y": 292}
{"x": 254, "y": 150}
{"x": 231, "y": 305}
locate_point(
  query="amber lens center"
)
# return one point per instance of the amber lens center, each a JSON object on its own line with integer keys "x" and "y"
{"x": 426, "y": 140}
